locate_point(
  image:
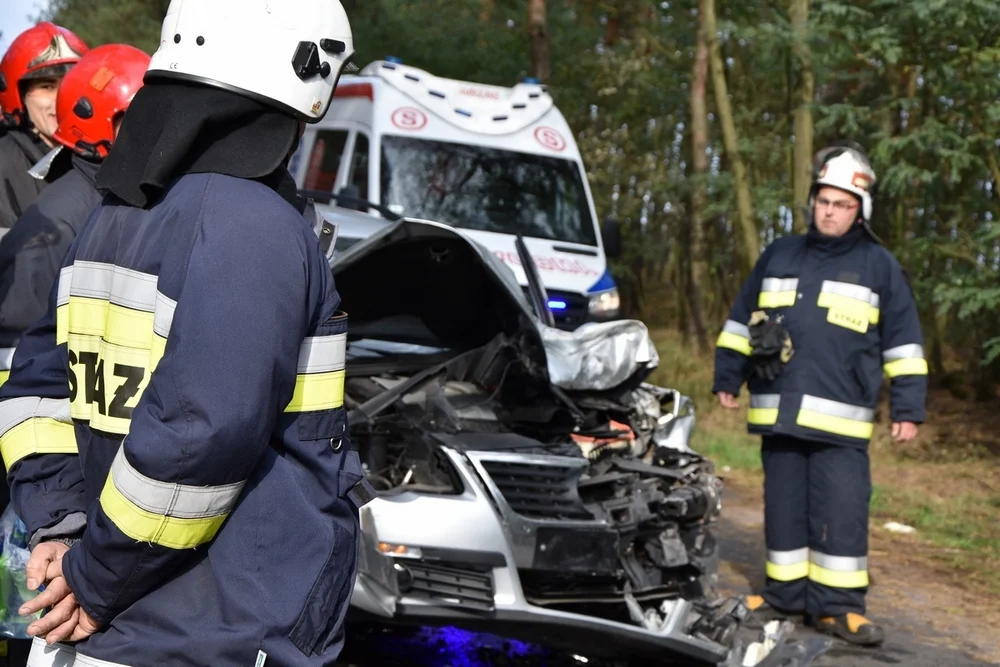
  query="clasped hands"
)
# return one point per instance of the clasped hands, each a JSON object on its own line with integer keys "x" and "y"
{"x": 66, "y": 620}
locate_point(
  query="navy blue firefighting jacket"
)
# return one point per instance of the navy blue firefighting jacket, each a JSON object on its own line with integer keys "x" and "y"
{"x": 180, "y": 406}
{"x": 852, "y": 318}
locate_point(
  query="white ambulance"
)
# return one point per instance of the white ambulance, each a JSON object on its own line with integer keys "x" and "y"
{"x": 495, "y": 162}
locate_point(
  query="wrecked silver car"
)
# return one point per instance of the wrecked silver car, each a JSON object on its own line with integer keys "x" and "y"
{"x": 532, "y": 483}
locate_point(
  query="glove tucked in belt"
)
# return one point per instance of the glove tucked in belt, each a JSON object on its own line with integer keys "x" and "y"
{"x": 770, "y": 344}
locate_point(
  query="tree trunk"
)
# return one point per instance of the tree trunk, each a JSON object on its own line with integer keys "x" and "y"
{"x": 699, "y": 163}
{"x": 539, "y": 40}
{"x": 748, "y": 227}
{"x": 804, "y": 94}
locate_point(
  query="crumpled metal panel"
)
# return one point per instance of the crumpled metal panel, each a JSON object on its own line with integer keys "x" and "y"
{"x": 598, "y": 355}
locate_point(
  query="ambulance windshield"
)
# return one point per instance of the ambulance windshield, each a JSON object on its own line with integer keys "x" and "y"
{"x": 487, "y": 189}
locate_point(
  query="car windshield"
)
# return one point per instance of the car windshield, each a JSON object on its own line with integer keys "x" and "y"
{"x": 487, "y": 189}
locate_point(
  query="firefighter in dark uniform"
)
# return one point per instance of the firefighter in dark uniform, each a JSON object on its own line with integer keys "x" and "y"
{"x": 820, "y": 319}
{"x": 30, "y": 72}
{"x": 32, "y": 251}
{"x": 174, "y": 428}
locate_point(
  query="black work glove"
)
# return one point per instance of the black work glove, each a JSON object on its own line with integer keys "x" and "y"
{"x": 770, "y": 345}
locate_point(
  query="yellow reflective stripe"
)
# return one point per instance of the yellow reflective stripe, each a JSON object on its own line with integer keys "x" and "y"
{"x": 873, "y": 315}
{"x": 778, "y": 292}
{"x": 107, "y": 374}
{"x": 168, "y": 531}
{"x": 835, "y": 579}
{"x": 788, "y": 565}
{"x": 62, "y": 324}
{"x": 317, "y": 391}
{"x": 837, "y": 425}
{"x": 734, "y": 342}
{"x": 4, "y": 375}
{"x": 37, "y": 435}
{"x": 838, "y": 571}
{"x": 763, "y": 409}
{"x": 787, "y": 572}
{"x": 834, "y": 417}
{"x": 776, "y": 299}
{"x": 762, "y": 416}
{"x": 906, "y": 367}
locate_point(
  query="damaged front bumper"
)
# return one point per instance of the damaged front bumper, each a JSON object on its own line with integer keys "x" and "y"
{"x": 465, "y": 573}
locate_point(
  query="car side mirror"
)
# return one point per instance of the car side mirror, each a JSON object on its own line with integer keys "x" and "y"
{"x": 611, "y": 235}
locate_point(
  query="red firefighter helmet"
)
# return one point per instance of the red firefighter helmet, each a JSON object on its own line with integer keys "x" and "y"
{"x": 94, "y": 93}
{"x": 45, "y": 50}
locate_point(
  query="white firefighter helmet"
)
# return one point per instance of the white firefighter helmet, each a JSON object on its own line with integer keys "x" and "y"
{"x": 846, "y": 168}
{"x": 286, "y": 53}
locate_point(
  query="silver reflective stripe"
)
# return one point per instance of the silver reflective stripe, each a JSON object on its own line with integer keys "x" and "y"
{"x": 839, "y": 563}
{"x": 164, "y": 315}
{"x": 793, "y": 557}
{"x": 779, "y": 284}
{"x": 6, "y": 358}
{"x": 165, "y": 498}
{"x": 16, "y": 410}
{"x": 912, "y": 351}
{"x": 321, "y": 354}
{"x": 765, "y": 401}
{"x": 859, "y": 292}
{"x": 123, "y": 287}
{"x": 873, "y": 300}
{"x": 65, "y": 279}
{"x": 834, "y": 409}
{"x": 734, "y": 327}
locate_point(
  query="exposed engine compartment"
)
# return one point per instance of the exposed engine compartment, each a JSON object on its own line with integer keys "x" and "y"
{"x": 619, "y": 509}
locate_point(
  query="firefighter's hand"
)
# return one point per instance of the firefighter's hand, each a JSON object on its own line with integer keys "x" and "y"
{"x": 41, "y": 558}
{"x": 904, "y": 431}
{"x": 65, "y": 620}
{"x": 728, "y": 401}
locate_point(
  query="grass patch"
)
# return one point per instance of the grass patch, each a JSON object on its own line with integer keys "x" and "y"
{"x": 952, "y": 498}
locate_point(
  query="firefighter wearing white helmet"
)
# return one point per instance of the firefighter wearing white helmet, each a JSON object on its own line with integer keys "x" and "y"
{"x": 174, "y": 430}
{"x": 819, "y": 320}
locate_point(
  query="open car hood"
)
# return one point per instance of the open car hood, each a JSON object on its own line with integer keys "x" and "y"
{"x": 425, "y": 283}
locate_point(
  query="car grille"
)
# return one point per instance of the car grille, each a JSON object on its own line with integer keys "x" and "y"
{"x": 538, "y": 491}
{"x": 446, "y": 584}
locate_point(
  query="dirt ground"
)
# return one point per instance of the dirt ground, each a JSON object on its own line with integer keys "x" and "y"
{"x": 930, "y": 618}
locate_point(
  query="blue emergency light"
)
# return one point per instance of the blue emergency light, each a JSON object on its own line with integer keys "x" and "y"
{"x": 530, "y": 79}
{"x": 557, "y": 305}
{"x": 394, "y": 59}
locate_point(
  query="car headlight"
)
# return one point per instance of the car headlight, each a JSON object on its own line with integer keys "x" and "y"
{"x": 605, "y": 304}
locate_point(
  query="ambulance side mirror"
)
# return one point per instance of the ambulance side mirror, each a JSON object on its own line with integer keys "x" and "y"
{"x": 611, "y": 235}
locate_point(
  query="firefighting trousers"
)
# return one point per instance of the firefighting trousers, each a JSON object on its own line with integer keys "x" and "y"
{"x": 816, "y": 500}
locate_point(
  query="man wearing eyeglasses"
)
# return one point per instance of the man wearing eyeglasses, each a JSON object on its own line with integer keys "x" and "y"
{"x": 816, "y": 324}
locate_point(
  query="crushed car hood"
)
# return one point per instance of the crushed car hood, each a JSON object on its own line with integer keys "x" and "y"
{"x": 425, "y": 283}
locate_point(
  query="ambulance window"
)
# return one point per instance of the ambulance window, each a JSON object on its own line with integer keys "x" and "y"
{"x": 358, "y": 175}
{"x": 324, "y": 160}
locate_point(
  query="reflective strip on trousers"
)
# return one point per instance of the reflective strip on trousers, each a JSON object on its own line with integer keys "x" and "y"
{"x": 763, "y": 409}
{"x": 851, "y": 298}
{"x": 838, "y": 418}
{"x": 177, "y": 516}
{"x": 30, "y": 425}
{"x": 778, "y": 292}
{"x": 735, "y": 336}
{"x": 838, "y": 571}
{"x": 904, "y": 360}
{"x": 788, "y": 565}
